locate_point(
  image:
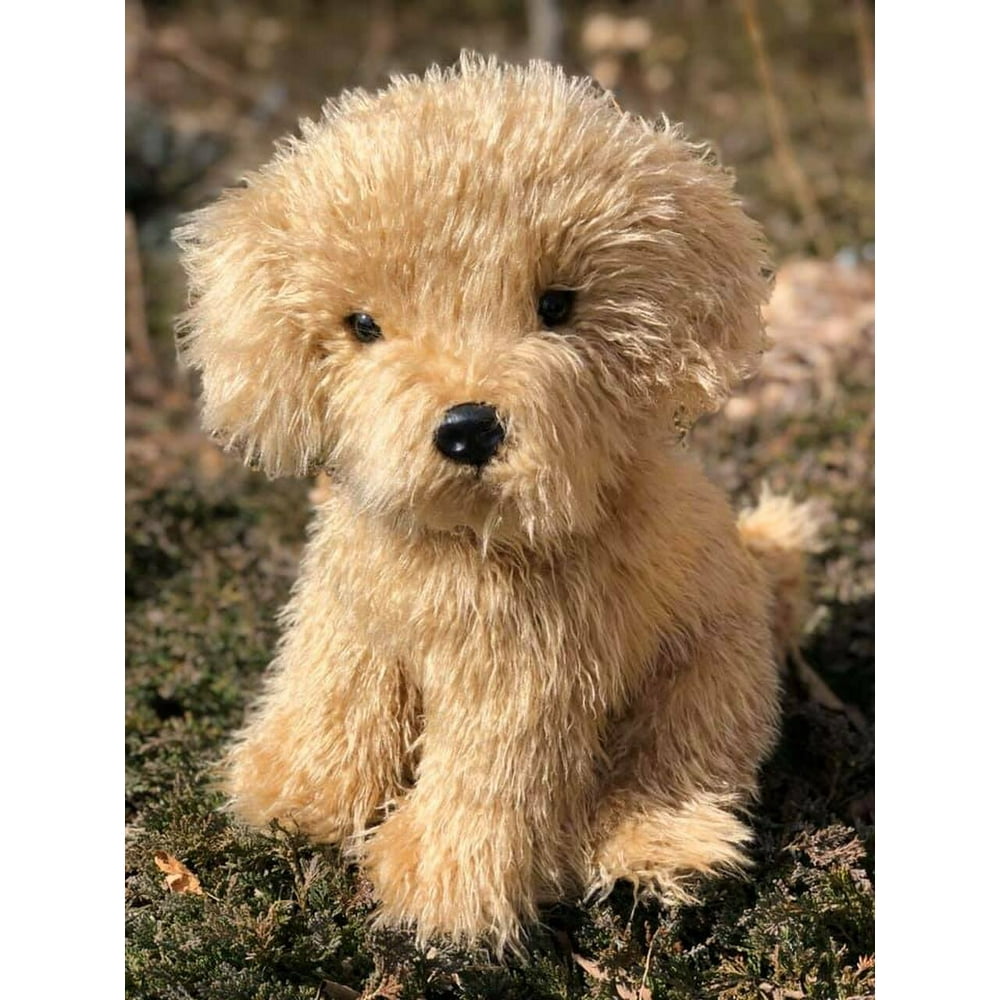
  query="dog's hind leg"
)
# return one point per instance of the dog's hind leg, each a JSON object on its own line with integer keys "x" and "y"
{"x": 684, "y": 764}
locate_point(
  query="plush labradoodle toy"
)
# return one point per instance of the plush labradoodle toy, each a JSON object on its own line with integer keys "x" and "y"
{"x": 530, "y": 653}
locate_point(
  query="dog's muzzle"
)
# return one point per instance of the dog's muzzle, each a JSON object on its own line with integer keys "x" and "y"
{"x": 470, "y": 433}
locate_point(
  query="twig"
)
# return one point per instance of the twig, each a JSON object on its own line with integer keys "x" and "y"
{"x": 820, "y": 691}
{"x": 866, "y": 56}
{"x": 649, "y": 956}
{"x": 381, "y": 40}
{"x": 545, "y": 29}
{"x": 136, "y": 37}
{"x": 136, "y": 328}
{"x": 174, "y": 43}
{"x": 778, "y": 126}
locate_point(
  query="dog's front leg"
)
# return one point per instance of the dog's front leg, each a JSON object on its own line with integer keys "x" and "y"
{"x": 328, "y": 742}
{"x": 493, "y": 824}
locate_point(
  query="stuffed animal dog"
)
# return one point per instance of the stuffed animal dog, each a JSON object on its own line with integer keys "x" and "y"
{"x": 529, "y": 653}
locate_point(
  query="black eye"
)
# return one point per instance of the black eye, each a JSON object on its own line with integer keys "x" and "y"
{"x": 364, "y": 327}
{"x": 555, "y": 305}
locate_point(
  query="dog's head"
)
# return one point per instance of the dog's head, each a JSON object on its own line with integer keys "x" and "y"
{"x": 478, "y": 296}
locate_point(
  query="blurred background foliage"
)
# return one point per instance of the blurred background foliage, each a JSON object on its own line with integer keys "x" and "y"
{"x": 783, "y": 89}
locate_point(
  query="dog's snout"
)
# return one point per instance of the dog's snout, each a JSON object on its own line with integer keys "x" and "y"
{"x": 470, "y": 433}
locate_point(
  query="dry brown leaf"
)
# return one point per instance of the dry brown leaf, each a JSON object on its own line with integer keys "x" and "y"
{"x": 627, "y": 993}
{"x": 337, "y": 991}
{"x": 591, "y": 968}
{"x": 179, "y": 878}
{"x": 821, "y": 323}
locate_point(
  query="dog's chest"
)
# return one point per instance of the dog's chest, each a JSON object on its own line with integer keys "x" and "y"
{"x": 445, "y": 611}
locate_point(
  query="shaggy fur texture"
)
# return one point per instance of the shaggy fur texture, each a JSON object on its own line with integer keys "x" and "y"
{"x": 503, "y": 684}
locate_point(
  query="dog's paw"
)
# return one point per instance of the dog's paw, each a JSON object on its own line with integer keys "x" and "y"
{"x": 663, "y": 850}
{"x": 442, "y": 879}
{"x": 264, "y": 785}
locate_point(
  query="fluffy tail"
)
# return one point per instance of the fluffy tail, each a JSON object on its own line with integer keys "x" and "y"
{"x": 780, "y": 533}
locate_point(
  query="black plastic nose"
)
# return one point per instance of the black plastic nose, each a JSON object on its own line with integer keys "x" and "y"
{"x": 470, "y": 433}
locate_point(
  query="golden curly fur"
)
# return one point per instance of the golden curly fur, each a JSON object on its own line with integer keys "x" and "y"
{"x": 500, "y": 683}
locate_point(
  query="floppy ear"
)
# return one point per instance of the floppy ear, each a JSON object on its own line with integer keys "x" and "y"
{"x": 715, "y": 272}
{"x": 246, "y": 330}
